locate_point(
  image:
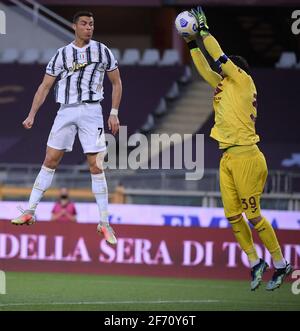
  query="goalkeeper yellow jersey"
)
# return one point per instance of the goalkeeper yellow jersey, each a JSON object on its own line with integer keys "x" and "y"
{"x": 235, "y": 110}
{"x": 234, "y": 100}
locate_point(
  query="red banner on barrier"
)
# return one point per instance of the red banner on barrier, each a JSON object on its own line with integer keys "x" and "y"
{"x": 141, "y": 250}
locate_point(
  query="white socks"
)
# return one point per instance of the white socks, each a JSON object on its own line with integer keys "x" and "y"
{"x": 42, "y": 183}
{"x": 44, "y": 180}
{"x": 99, "y": 188}
{"x": 279, "y": 264}
{"x": 253, "y": 263}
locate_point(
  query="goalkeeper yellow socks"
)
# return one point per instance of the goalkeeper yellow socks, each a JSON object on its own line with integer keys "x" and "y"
{"x": 268, "y": 237}
{"x": 243, "y": 236}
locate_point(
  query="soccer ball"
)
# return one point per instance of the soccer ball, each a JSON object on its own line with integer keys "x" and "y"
{"x": 186, "y": 24}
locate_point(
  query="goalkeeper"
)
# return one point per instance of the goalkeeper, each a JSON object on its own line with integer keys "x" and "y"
{"x": 243, "y": 168}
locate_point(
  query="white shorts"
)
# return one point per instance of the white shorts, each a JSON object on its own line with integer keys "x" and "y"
{"x": 84, "y": 118}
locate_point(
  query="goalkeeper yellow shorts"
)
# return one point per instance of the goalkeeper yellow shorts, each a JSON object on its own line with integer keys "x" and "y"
{"x": 243, "y": 173}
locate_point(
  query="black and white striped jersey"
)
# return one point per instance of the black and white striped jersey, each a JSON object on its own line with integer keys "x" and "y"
{"x": 81, "y": 71}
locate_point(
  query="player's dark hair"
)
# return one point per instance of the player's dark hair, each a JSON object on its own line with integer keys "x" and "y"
{"x": 80, "y": 14}
{"x": 240, "y": 62}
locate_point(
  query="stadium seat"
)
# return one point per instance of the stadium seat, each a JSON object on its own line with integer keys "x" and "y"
{"x": 170, "y": 58}
{"x": 187, "y": 75}
{"x": 287, "y": 60}
{"x": 161, "y": 109}
{"x": 116, "y": 52}
{"x": 9, "y": 55}
{"x": 173, "y": 92}
{"x": 150, "y": 57}
{"x": 28, "y": 56}
{"x": 149, "y": 124}
{"x": 131, "y": 56}
{"x": 46, "y": 55}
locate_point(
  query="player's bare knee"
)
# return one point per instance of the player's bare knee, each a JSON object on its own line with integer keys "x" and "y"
{"x": 255, "y": 220}
{"x": 232, "y": 219}
{"x": 94, "y": 170}
{"x": 50, "y": 162}
{"x": 100, "y": 160}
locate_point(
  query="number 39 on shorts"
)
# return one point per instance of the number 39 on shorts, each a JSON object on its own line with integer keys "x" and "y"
{"x": 249, "y": 203}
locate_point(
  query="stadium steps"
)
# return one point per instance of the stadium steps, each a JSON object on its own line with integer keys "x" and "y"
{"x": 190, "y": 112}
{"x": 187, "y": 115}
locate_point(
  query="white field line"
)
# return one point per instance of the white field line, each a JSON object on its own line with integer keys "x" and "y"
{"x": 107, "y": 302}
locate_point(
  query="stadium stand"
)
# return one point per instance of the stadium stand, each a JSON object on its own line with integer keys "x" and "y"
{"x": 131, "y": 56}
{"x": 29, "y": 56}
{"x": 170, "y": 58}
{"x": 117, "y": 54}
{"x": 46, "y": 55}
{"x": 286, "y": 60}
{"x": 150, "y": 57}
{"x": 9, "y": 55}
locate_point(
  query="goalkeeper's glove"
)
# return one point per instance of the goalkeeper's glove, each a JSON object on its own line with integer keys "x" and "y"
{"x": 201, "y": 20}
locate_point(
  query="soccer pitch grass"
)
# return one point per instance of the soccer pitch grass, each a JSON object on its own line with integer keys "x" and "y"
{"x": 53, "y": 291}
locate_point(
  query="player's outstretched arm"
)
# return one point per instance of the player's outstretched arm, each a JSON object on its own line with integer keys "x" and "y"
{"x": 38, "y": 100}
{"x": 215, "y": 51}
{"x": 212, "y": 46}
{"x": 113, "y": 120}
{"x": 202, "y": 66}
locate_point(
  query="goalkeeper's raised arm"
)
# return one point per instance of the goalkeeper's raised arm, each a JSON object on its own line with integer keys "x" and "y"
{"x": 201, "y": 63}
{"x": 230, "y": 65}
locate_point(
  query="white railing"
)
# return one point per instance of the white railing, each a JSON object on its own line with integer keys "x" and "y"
{"x": 157, "y": 186}
{"x": 23, "y": 174}
{"x": 38, "y": 11}
{"x": 280, "y": 201}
